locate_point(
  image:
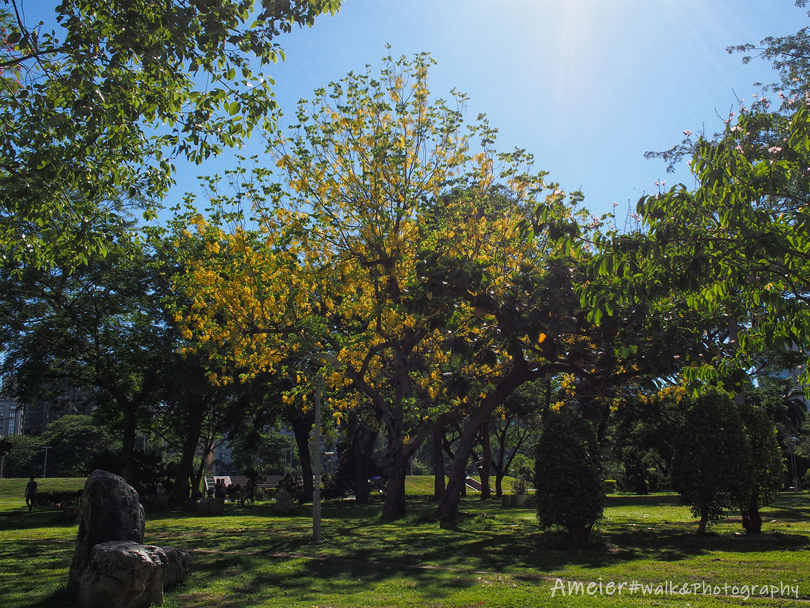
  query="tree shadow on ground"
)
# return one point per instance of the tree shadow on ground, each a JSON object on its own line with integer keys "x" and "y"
{"x": 491, "y": 540}
{"x": 41, "y": 517}
{"x": 58, "y": 599}
{"x": 312, "y": 581}
{"x": 251, "y": 552}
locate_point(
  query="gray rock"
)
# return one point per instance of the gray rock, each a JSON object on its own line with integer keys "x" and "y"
{"x": 71, "y": 514}
{"x": 159, "y": 502}
{"x": 178, "y": 566}
{"x": 126, "y": 574}
{"x": 110, "y": 512}
{"x": 211, "y": 506}
{"x": 285, "y": 505}
{"x": 123, "y": 574}
{"x": 524, "y": 501}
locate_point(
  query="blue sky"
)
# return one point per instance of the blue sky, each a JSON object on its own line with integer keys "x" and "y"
{"x": 587, "y": 86}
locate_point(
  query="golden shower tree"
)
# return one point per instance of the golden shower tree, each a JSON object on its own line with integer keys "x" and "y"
{"x": 386, "y": 200}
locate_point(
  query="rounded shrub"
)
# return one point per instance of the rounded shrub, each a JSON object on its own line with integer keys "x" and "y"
{"x": 568, "y": 479}
{"x": 711, "y": 466}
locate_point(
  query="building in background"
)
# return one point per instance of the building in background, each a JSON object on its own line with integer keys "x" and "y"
{"x": 10, "y": 417}
{"x": 10, "y": 414}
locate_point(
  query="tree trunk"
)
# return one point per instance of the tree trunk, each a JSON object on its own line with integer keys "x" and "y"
{"x": 301, "y": 430}
{"x": 447, "y": 511}
{"x": 751, "y": 517}
{"x": 486, "y": 461}
{"x": 500, "y": 465}
{"x": 704, "y": 519}
{"x": 362, "y": 468}
{"x": 394, "y": 506}
{"x": 128, "y": 408}
{"x": 197, "y": 479}
{"x": 438, "y": 462}
{"x": 580, "y": 534}
{"x": 185, "y": 468}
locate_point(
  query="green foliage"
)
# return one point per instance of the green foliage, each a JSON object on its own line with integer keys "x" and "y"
{"x": 738, "y": 246}
{"x": 711, "y": 467}
{"x": 568, "y": 475}
{"x": 789, "y": 55}
{"x": 641, "y": 438}
{"x": 74, "y": 440}
{"x": 105, "y": 103}
{"x": 522, "y": 470}
{"x": 152, "y": 468}
{"x": 768, "y": 466}
{"x": 262, "y": 449}
{"x": 25, "y": 456}
{"x": 59, "y": 497}
{"x": 781, "y": 400}
{"x": 295, "y": 486}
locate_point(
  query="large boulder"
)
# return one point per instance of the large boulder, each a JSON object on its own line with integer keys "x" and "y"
{"x": 126, "y": 574}
{"x": 285, "y": 505}
{"x": 111, "y": 511}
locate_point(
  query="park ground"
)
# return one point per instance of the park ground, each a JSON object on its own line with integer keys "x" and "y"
{"x": 645, "y": 553}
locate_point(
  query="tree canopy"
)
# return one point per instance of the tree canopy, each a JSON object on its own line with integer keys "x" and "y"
{"x": 100, "y": 107}
{"x": 388, "y": 211}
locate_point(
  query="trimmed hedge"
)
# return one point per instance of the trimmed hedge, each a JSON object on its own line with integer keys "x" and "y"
{"x": 59, "y": 498}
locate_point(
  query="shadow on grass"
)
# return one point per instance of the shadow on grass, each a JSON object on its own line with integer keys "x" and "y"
{"x": 313, "y": 581}
{"x": 489, "y": 540}
{"x": 41, "y": 517}
{"x": 58, "y": 599}
{"x": 251, "y": 552}
{"x": 510, "y": 548}
{"x": 42, "y": 574}
{"x": 646, "y": 500}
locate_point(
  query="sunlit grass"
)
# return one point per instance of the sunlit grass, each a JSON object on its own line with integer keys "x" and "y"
{"x": 493, "y": 557}
{"x": 14, "y": 489}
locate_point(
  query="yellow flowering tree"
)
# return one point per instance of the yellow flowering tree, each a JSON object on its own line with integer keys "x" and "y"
{"x": 400, "y": 244}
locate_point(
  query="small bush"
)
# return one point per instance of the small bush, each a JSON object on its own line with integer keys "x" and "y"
{"x": 712, "y": 466}
{"x": 333, "y": 489}
{"x": 59, "y": 498}
{"x": 523, "y": 470}
{"x": 294, "y": 484}
{"x": 568, "y": 475}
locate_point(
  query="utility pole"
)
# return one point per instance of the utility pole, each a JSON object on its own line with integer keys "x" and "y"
{"x": 45, "y": 468}
{"x": 316, "y": 491}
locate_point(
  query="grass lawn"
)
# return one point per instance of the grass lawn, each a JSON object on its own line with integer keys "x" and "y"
{"x": 14, "y": 489}
{"x": 494, "y": 557}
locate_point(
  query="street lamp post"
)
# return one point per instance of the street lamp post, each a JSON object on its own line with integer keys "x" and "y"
{"x": 45, "y": 467}
{"x": 316, "y": 490}
{"x": 795, "y": 482}
{"x": 287, "y": 460}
